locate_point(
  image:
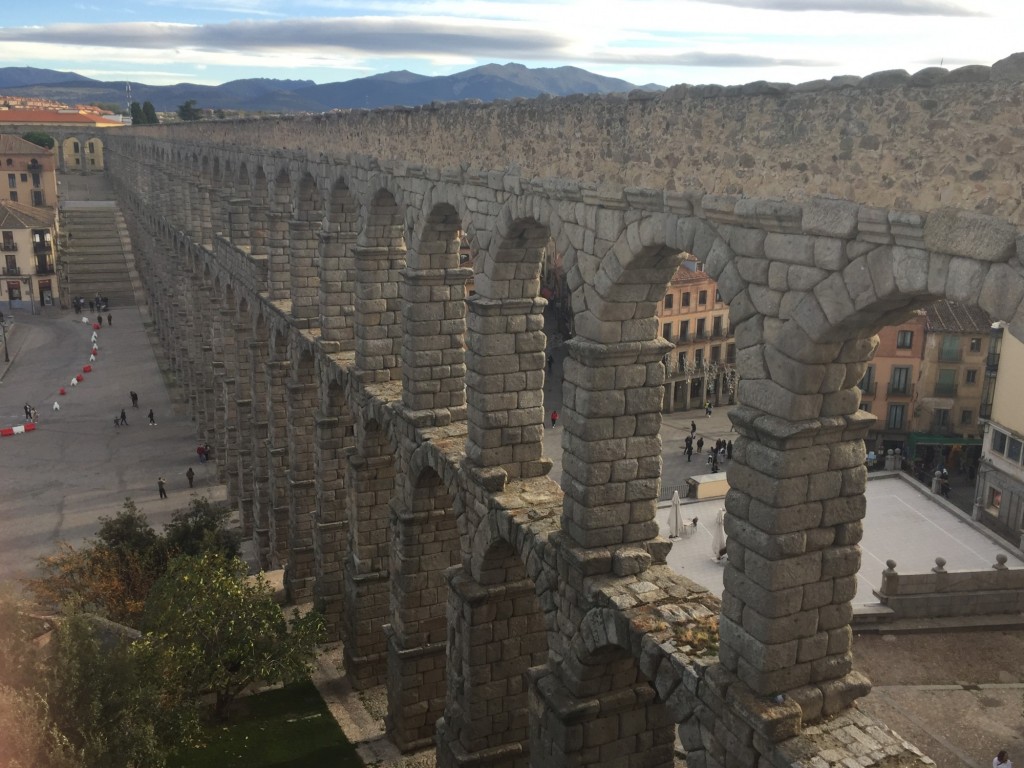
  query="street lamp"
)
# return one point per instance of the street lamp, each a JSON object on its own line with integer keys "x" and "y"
{"x": 7, "y": 356}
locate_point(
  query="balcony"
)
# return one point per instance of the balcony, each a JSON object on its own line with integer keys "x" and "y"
{"x": 44, "y": 269}
{"x": 992, "y": 361}
{"x": 899, "y": 390}
{"x": 945, "y": 390}
{"x": 682, "y": 338}
{"x": 12, "y": 270}
{"x": 700, "y": 335}
{"x": 869, "y": 388}
{"x": 950, "y": 356}
{"x": 35, "y": 165}
{"x": 9, "y": 247}
{"x": 43, "y": 247}
{"x": 719, "y": 333}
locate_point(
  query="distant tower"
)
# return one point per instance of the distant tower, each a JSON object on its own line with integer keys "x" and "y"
{"x": 128, "y": 98}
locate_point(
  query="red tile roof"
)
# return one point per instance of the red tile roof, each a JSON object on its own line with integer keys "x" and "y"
{"x": 50, "y": 117}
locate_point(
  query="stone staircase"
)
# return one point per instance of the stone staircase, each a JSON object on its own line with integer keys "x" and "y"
{"x": 97, "y": 254}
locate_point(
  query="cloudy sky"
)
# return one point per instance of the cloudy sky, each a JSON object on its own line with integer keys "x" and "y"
{"x": 642, "y": 41}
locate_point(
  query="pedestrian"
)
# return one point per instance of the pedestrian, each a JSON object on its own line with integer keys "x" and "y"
{"x": 700, "y": 444}
{"x": 152, "y": 418}
{"x": 35, "y": 416}
{"x": 711, "y": 457}
{"x": 551, "y": 364}
{"x": 191, "y": 475}
{"x": 92, "y": 305}
{"x": 554, "y": 419}
{"x": 28, "y": 411}
{"x": 135, "y": 399}
{"x": 944, "y": 487}
{"x": 207, "y": 451}
{"x": 1002, "y": 760}
{"x": 728, "y": 450}
{"x": 707, "y": 409}
{"x": 675, "y": 521}
{"x": 689, "y": 452}
{"x": 124, "y": 417}
{"x": 117, "y": 422}
{"x": 99, "y": 320}
{"x": 110, "y": 319}
{"x": 693, "y": 428}
{"x": 202, "y": 454}
{"x": 161, "y": 486}
{"x": 688, "y": 442}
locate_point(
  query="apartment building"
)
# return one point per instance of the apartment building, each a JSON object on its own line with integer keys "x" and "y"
{"x": 999, "y": 497}
{"x": 694, "y": 318}
{"x": 28, "y": 252}
{"x": 28, "y": 173}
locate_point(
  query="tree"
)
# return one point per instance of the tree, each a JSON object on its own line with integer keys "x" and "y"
{"x": 189, "y": 112}
{"x": 149, "y": 113}
{"x": 136, "y": 112}
{"x": 200, "y": 529}
{"x": 30, "y": 740}
{"x": 44, "y": 140}
{"x": 212, "y": 630}
{"x": 102, "y": 698}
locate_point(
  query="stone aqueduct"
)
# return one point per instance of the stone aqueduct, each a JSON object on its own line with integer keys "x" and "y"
{"x": 382, "y": 433}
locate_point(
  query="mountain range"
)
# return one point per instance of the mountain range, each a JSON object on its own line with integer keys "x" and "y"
{"x": 487, "y": 83}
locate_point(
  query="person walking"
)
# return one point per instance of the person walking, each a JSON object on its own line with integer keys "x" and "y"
{"x": 201, "y": 452}
{"x": 152, "y": 418}
{"x": 110, "y": 319}
{"x": 99, "y": 320}
{"x": 135, "y": 399}
{"x": 693, "y": 428}
{"x": 707, "y": 409}
{"x": 728, "y": 450}
{"x": 554, "y": 419}
{"x": 700, "y": 444}
{"x": 161, "y": 486}
{"x": 28, "y": 411}
{"x": 1002, "y": 760}
{"x": 124, "y": 417}
{"x": 35, "y": 416}
{"x": 689, "y": 451}
{"x": 191, "y": 475}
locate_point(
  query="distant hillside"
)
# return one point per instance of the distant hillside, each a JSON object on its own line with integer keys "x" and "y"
{"x": 487, "y": 83}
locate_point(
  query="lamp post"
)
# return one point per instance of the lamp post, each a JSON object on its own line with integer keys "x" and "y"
{"x": 7, "y": 356}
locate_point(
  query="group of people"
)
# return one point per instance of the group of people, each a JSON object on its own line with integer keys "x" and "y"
{"x": 97, "y": 304}
{"x": 203, "y": 451}
{"x": 122, "y": 418}
{"x": 721, "y": 450}
{"x": 31, "y": 414}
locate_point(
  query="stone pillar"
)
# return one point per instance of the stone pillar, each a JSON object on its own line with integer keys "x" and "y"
{"x": 277, "y": 249}
{"x": 795, "y": 507}
{"x": 334, "y": 443}
{"x": 304, "y": 273}
{"x": 604, "y": 725}
{"x": 378, "y": 312}
{"x": 243, "y": 435}
{"x": 370, "y": 482}
{"x": 204, "y": 233}
{"x": 262, "y": 505}
{"x": 259, "y": 229}
{"x": 426, "y": 542}
{"x": 612, "y": 443}
{"x": 238, "y": 222}
{"x": 301, "y": 408}
{"x": 337, "y": 310}
{"x": 505, "y": 382}
{"x": 277, "y": 459}
{"x": 228, "y": 410}
{"x": 433, "y": 346}
{"x": 496, "y": 633}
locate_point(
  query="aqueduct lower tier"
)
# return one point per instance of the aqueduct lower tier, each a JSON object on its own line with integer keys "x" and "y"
{"x": 382, "y": 435}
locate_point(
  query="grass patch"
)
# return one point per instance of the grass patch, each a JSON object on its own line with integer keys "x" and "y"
{"x": 288, "y": 727}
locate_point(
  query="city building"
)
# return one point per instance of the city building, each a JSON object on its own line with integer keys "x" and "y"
{"x": 77, "y": 132}
{"x": 945, "y": 422}
{"x": 999, "y": 498}
{"x": 28, "y": 249}
{"x": 694, "y": 318}
{"x": 29, "y": 172}
{"x": 888, "y": 387}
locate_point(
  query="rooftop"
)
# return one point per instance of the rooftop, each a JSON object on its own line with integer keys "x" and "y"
{"x": 952, "y": 317}
{"x": 18, "y": 216}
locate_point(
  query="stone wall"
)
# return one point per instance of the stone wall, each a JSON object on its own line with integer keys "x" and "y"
{"x": 952, "y": 593}
{"x": 891, "y": 140}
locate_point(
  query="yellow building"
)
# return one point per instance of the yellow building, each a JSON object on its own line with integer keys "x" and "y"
{"x": 694, "y": 318}
{"x": 999, "y": 498}
{"x": 78, "y": 133}
{"x": 29, "y": 173}
{"x": 28, "y": 249}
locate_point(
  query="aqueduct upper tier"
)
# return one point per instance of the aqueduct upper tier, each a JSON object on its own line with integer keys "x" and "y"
{"x": 382, "y": 432}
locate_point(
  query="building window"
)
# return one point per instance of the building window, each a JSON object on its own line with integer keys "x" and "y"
{"x": 698, "y": 357}
{"x": 14, "y": 196}
{"x": 92, "y": 149}
{"x": 904, "y": 339}
{"x": 971, "y": 376}
{"x": 966, "y": 416}
{"x": 12, "y": 180}
{"x": 975, "y": 345}
{"x": 865, "y": 407}
{"x": 77, "y": 148}
{"x": 995, "y": 499}
{"x": 37, "y": 197}
{"x": 24, "y": 177}
{"x": 668, "y": 301}
{"x": 899, "y": 384}
{"x": 718, "y": 296}
{"x": 941, "y": 417}
{"x": 1013, "y": 450}
{"x": 998, "y": 441}
{"x": 716, "y": 353}
{"x": 684, "y": 330}
{"x": 10, "y": 162}
{"x": 682, "y": 360}
{"x": 895, "y": 418}
{"x": 701, "y": 328}
{"x": 698, "y": 266}
{"x": 37, "y": 180}
{"x": 716, "y": 326}
{"x": 685, "y": 300}
{"x": 666, "y": 331}
{"x": 702, "y": 298}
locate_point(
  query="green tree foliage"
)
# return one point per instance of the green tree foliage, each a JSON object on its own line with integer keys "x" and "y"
{"x": 210, "y": 629}
{"x": 189, "y": 112}
{"x": 29, "y": 738}
{"x": 44, "y": 140}
{"x": 149, "y": 113}
{"x": 136, "y": 112}
{"x": 103, "y": 701}
{"x": 112, "y": 576}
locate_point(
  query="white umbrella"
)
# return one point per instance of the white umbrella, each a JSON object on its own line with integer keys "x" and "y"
{"x": 675, "y": 522}
{"x": 718, "y": 535}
